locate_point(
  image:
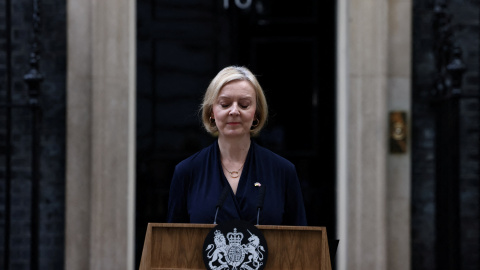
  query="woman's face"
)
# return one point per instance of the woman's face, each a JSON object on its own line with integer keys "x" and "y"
{"x": 234, "y": 109}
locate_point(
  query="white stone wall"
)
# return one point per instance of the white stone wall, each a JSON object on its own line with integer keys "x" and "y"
{"x": 373, "y": 60}
{"x": 100, "y": 135}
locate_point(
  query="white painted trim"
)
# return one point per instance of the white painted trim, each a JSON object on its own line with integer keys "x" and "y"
{"x": 342, "y": 113}
{"x": 132, "y": 86}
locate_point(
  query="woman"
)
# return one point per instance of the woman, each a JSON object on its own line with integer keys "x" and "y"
{"x": 234, "y": 109}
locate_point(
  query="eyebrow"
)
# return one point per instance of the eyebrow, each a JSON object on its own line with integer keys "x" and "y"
{"x": 229, "y": 97}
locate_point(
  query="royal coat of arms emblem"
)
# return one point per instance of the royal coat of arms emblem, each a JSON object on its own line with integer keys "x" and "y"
{"x": 243, "y": 248}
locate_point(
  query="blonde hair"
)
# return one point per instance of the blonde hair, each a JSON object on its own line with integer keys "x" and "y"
{"x": 226, "y": 75}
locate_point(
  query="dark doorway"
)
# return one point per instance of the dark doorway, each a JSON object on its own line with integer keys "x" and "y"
{"x": 290, "y": 46}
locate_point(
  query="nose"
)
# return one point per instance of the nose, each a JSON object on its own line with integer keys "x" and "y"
{"x": 234, "y": 109}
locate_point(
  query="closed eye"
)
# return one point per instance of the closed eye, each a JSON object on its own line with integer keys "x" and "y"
{"x": 244, "y": 104}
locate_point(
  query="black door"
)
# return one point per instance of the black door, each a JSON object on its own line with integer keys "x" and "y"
{"x": 288, "y": 45}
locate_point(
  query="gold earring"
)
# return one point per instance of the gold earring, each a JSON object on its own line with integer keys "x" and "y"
{"x": 255, "y": 125}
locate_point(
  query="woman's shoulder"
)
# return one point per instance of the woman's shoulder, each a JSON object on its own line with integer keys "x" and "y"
{"x": 268, "y": 155}
{"x": 195, "y": 160}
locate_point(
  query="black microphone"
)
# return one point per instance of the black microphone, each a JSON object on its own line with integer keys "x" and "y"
{"x": 260, "y": 199}
{"x": 220, "y": 201}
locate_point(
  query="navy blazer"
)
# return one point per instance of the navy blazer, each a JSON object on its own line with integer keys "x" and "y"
{"x": 199, "y": 180}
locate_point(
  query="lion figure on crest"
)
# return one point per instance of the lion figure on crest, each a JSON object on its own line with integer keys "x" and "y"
{"x": 217, "y": 252}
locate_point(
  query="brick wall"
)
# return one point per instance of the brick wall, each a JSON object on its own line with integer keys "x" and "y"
{"x": 3, "y": 149}
{"x": 52, "y": 134}
{"x": 466, "y": 26}
{"x": 467, "y": 21}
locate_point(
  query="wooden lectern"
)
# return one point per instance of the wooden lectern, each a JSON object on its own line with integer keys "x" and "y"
{"x": 179, "y": 246}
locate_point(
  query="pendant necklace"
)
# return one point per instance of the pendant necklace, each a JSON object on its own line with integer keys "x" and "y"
{"x": 233, "y": 174}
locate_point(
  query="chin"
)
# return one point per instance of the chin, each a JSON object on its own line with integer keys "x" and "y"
{"x": 235, "y": 133}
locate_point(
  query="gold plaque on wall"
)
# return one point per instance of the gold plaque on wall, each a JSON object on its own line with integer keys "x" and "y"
{"x": 398, "y": 132}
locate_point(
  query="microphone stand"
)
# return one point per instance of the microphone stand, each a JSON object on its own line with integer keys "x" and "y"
{"x": 260, "y": 199}
{"x": 220, "y": 202}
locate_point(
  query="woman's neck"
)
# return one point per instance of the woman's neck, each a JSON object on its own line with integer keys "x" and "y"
{"x": 234, "y": 150}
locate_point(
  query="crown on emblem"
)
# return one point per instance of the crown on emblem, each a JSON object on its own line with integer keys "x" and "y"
{"x": 235, "y": 238}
